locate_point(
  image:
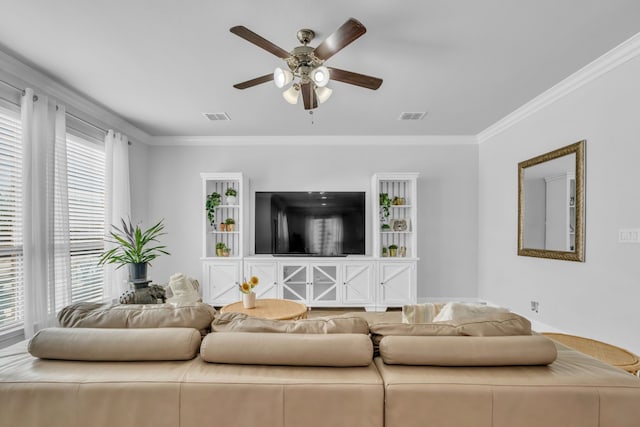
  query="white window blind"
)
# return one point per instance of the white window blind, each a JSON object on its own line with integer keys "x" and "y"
{"x": 11, "y": 261}
{"x": 86, "y": 181}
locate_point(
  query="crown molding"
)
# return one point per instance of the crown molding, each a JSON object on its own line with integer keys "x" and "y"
{"x": 23, "y": 75}
{"x": 310, "y": 140}
{"x": 602, "y": 65}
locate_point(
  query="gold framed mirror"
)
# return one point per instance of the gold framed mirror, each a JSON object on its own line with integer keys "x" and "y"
{"x": 551, "y": 204}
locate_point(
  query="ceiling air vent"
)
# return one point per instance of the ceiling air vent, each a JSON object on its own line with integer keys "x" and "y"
{"x": 217, "y": 117}
{"x": 412, "y": 116}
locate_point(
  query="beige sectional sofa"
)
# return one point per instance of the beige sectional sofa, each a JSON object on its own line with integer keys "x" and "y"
{"x": 317, "y": 372}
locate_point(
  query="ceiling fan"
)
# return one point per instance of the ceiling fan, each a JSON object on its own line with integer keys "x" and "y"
{"x": 306, "y": 70}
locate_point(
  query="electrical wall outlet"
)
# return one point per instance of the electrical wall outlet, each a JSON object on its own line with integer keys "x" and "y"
{"x": 535, "y": 306}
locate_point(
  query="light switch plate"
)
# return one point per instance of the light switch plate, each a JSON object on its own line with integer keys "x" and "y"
{"x": 629, "y": 235}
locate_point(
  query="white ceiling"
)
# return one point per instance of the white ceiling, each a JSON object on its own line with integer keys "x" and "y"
{"x": 161, "y": 64}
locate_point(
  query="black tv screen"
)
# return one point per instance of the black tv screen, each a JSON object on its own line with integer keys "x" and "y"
{"x": 310, "y": 223}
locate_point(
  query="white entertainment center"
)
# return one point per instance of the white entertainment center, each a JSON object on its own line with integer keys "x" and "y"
{"x": 385, "y": 276}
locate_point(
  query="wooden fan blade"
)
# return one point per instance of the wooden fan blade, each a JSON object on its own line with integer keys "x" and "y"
{"x": 308, "y": 96}
{"x": 340, "y": 38}
{"x": 357, "y": 79}
{"x": 259, "y": 41}
{"x": 254, "y": 82}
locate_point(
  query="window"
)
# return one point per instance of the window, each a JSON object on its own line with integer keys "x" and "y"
{"x": 86, "y": 180}
{"x": 11, "y": 265}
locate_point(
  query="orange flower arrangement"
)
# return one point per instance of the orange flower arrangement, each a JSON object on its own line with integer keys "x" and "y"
{"x": 247, "y": 286}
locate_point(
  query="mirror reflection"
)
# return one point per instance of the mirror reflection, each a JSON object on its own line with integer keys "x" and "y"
{"x": 551, "y": 204}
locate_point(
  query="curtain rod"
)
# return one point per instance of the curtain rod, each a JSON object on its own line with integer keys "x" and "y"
{"x": 22, "y": 91}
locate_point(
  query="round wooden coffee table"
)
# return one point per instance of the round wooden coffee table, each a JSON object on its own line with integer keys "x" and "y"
{"x": 275, "y": 309}
{"x": 611, "y": 354}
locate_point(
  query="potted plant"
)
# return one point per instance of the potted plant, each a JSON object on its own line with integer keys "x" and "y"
{"x": 134, "y": 247}
{"x": 213, "y": 200}
{"x": 385, "y": 205}
{"x": 248, "y": 296}
{"x": 231, "y": 194}
{"x": 393, "y": 250}
{"x": 384, "y": 252}
{"x": 398, "y": 201}
{"x": 220, "y": 247}
{"x": 230, "y": 222}
{"x": 385, "y": 227}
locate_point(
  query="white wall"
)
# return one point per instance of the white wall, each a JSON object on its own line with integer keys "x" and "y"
{"x": 447, "y": 190}
{"x": 600, "y": 297}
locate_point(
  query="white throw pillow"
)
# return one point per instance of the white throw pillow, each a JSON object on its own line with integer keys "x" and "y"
{"x": 183, "y": 289}
{"x": 457, "y": 310}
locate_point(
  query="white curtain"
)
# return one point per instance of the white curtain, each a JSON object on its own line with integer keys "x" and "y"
{"x": 44, "y": 208}
{"x": 117, "y": 204}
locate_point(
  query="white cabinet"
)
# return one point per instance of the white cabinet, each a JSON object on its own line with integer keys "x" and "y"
{"x": 224, "y": 223}
{"x": 397, "y": 284}
{"x": 267, "y": 273}
{"x": 315, "y": 284}
{"x": 357, "y": 280}
{"x": 221, "y": 282}
{"x": 380, "y": 280}
{"x": 394, "y": 214}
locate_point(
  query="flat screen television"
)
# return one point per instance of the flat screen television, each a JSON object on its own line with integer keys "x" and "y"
{"x": 310, "y": 223}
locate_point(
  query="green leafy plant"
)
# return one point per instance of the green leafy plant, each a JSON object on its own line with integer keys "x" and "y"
{"x": 133, "y": 245}
{"x": 231, "y": 192}
{"x": 393, "y": 247}
{"x": 385, "y": 227}
{"x": 213, "y": 200}
{"x": 229, "y": 221}
{"x": 221, "y": 245}
{"x": 385, "y": 204}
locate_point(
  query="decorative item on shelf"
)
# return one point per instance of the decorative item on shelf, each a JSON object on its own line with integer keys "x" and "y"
{"x": 397, "y": 201}
{"x": 230, "y": 222}
{"x": 226, "y": 251}
{"x": 402, "y": 251}
{"x": 220, "y": 248}
{"x": 385, "y": 205}
{"x": 223, "y": 226}
{"x": 213, "y": 201}
{"x": 385, "y": 227}
{"x": 399, "y": 225}
{"x": 384, "y": 252}
{"x": 230, "y": 196}
{"x": 248, "y": 296}
{"x": 393, "y": 250}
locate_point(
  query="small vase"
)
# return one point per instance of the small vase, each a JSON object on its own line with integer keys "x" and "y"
{"x": 231, "y": 200}
{"x": 249, "y": 300}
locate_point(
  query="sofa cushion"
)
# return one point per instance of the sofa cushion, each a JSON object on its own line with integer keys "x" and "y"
{"x": 454, "y": 311}
{"x": 95, "y": 344}
{"x": 467, "y": 351}
{"x": 493, "y": 324}
{"x": 297, "y": 349}
{"x": 98, "y": 315}
{"x": 239, "y": 322}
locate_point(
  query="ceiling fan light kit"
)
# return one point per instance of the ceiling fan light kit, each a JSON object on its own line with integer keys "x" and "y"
{"x": 307, "y": 73}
